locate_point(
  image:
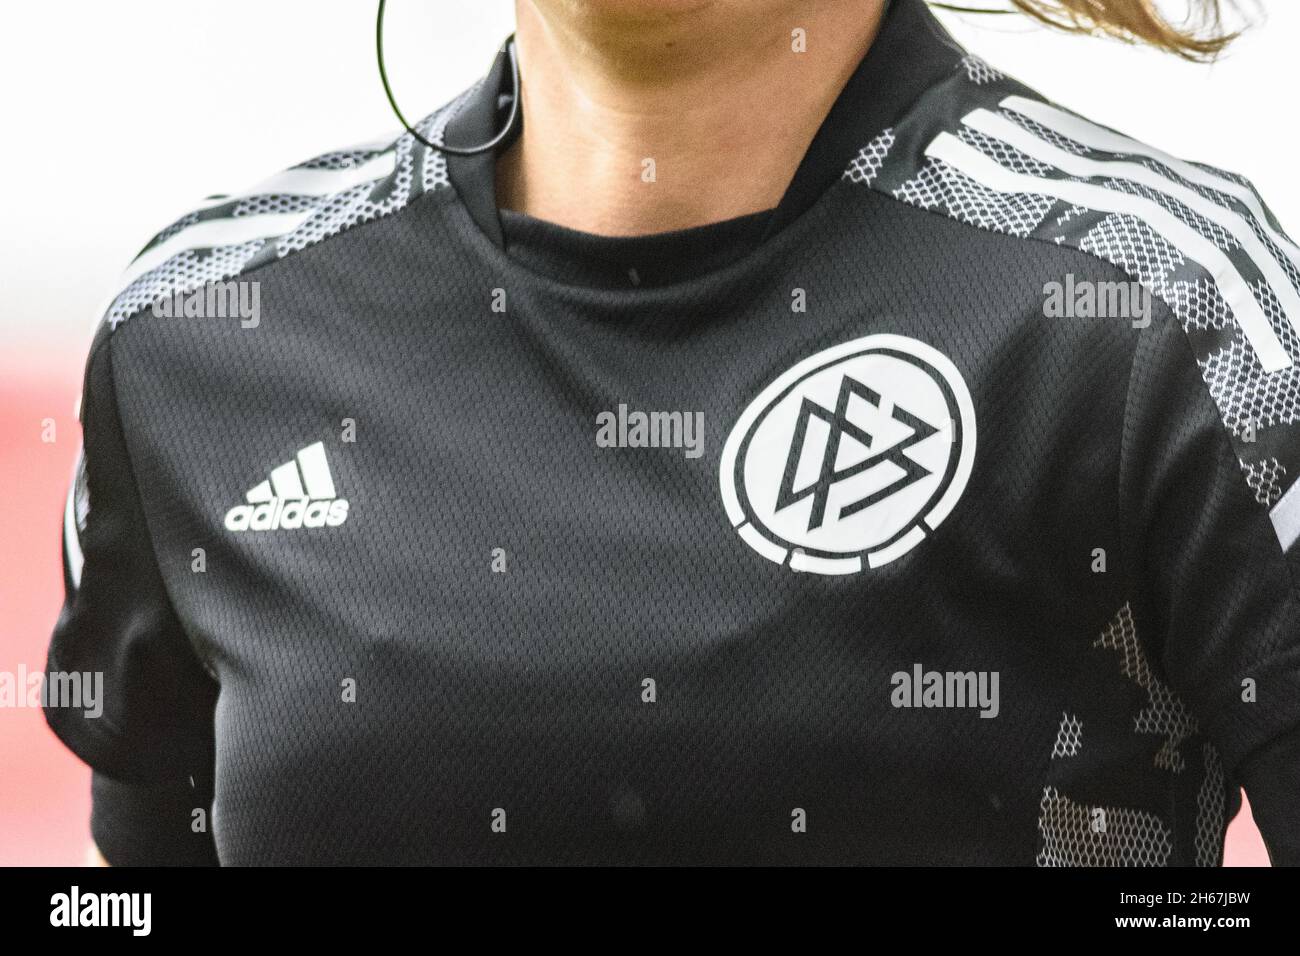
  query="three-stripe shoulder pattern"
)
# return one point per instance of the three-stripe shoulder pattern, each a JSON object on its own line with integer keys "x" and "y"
{"x": 228, "y": 235}
{"x": 985, "y": 150}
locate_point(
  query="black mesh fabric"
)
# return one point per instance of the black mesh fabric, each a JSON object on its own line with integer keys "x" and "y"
{"x": 521, "y": 690}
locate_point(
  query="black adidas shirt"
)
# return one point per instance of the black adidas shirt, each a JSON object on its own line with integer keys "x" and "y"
{"x": 919, "y": 572}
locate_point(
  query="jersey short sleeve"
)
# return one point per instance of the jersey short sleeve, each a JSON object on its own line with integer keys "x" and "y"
{"x": 1217, "y": 585}
{"x": 1210, "y": 450}
{"x": 150, "y": 739}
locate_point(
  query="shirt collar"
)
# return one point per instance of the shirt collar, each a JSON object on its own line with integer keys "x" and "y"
{"x": 911, "y": 53}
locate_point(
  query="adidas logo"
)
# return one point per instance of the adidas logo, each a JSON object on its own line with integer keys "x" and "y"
{"x": 299, "y": 494}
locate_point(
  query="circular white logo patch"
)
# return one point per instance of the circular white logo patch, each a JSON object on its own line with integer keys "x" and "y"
{"x": 852, "y": 455}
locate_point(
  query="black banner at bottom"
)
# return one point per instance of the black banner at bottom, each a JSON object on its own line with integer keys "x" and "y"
{"x": 333, "y": 905}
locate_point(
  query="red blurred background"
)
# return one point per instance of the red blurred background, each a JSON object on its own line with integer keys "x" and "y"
{"x": 44, "y": 789}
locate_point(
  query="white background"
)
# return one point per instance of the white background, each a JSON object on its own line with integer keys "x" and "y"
{"x": 120, "y": 115}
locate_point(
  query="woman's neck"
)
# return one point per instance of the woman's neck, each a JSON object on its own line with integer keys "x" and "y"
{"x": 645, "y": 116}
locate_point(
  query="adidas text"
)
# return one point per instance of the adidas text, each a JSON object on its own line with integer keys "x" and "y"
{"x": 299, "y": 494}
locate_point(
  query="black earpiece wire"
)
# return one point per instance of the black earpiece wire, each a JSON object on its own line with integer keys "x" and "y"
{"x": 507, "y": 48}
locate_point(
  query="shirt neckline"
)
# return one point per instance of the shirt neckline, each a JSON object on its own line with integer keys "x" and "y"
{"x": 581, "y": 258}
{"x": 911, "y": 53}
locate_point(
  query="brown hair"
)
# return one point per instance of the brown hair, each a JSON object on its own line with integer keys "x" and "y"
{"x": 1202, "y": 36}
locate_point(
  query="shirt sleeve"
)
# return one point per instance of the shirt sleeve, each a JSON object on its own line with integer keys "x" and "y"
{"x": 144, "y": 721}
{"x": 150, "y": 824}
{"x": 1211, "y": 558}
